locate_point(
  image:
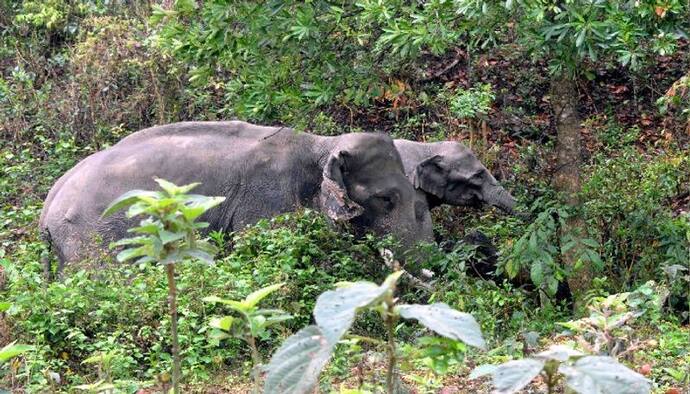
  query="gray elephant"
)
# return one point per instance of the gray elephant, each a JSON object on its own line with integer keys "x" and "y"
{"x": 449, "y": 173}
{"x": 262, "y": 171}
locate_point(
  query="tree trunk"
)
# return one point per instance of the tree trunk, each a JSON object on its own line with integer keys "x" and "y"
{"x": 172, "y": 302}
{"x": 564, "y": 100}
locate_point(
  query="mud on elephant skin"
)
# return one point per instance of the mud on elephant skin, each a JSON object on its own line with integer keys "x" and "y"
{"x": 262, "y": 172}
{"x": 450, "y": 173}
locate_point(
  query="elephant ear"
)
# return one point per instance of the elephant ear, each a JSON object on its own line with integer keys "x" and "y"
{"x": 334, "y": 199}
{"x": 431, "y": 176}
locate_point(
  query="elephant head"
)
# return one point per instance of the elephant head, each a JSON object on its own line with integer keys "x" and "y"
{"x": 364, "y": 183}
{"x": 451, "y": 174}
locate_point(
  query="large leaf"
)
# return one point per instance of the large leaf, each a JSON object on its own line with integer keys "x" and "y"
{"x": 222, "y": 323}
{"x": 126, "y": 200}
{"x": 481, "y": 370}
{"x": 335, "y": 309}
{"x": 199, "y": 254}
{"x": 295, "y": 367}
{"x": 558, "y": 353}
{"x": 512, "y": 376}
{"x": 235, "y": 305}
{"x": 198, "y": 204}
{"x": 603, "y": 375}
{"x": 168, "y": 236}
{"x": 12, "y": 350}
{"x": 172, "y": 189}
{"x": 254, "y": 298}
{"x": 446, "y": 321}
{"x": 129, "y": 254}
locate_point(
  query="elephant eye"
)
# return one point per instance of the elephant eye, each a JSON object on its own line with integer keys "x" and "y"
{"x": 386, "y": 201}
{"x": 476, "y": 179}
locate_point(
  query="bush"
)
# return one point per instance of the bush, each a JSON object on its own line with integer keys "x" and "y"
{"x": 119, "y": 309}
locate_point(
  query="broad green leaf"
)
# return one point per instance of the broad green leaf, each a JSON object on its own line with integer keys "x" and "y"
{"x": 559, "y": 353}
{"x": 99, "y": 357}
{"x": 391, "y": 280}
{"x": 219, "y": 335}
{"x": 551, "y": 285}
{"x": 335, "y": 309}
{"x": 482, "y": 370}
{"x": 171, "y": 258}
{"x": 191, "y": 213}
{"x": 603, "y": 375}
{"x": 512, "y": 376}
{"x": 296, "y": 365}
{"x": 199, "y": 254}
{"x": 236, "y": 305}
{"x": 537, "y": 273}
{"x": 129, "y": 254}
{"x": 4, "y": 306}
{"x": 130, "y": 241}
{"x": 99, "y": 386}
{"x": 590, "y": 242}
{"x": 568, "y": 245}
{"x": 446, "y": 321}
{"x": 172, "y": 189}
{"x": 138, "y": 208}
{"x": 147, "y": 226}
{"x": 256, "y": 324}
{"x": 12, "y": 350}
{"x": 271, "y": 320}
{"x": 126, "y": 200}
{"x": 168, "y": 236}
{"x": 199, "y": 204}
{"x": 223, "y": 323}
{"x": 254, "y": 298}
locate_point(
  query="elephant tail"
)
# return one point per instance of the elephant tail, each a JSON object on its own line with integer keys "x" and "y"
{"x": 45, "y": 260}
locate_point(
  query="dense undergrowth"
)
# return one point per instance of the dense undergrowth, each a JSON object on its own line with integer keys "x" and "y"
{"x": 75, "y": 76}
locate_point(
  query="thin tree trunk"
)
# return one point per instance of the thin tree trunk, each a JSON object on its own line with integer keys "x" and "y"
{"x": 172, "y": 302}
{"x": 564, "y": 100}
{"x": 390, "y": 321}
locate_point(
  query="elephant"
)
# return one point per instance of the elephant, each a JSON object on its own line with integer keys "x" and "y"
{"x": 449, "y": 173}
{"x": 262, "y": 171}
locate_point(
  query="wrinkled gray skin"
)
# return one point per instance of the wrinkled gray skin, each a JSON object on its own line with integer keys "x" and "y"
{"x": 449, "y": 173}
{"x": 262, "y": 172}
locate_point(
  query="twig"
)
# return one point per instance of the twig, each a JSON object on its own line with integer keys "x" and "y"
{"x": 445, "y": 69}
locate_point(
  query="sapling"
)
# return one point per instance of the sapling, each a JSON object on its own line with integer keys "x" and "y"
{"x": 296, "y": 365}
{"x": 167, "y": 235}
{"x": 582, "y": 373}
{"x": 252, "y": 324}
{"x": 11, "y": 350}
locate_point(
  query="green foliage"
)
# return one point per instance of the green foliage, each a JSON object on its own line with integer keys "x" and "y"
{"x": 307, "y": 254}
{"x": 253, "y": 324}
{"x": 296, "y": 365}
{"x": 677, "y": 98}
{"x": 624, "y": 199}
{"x": 629, "y": 32}
{"x": 12, "y": 350}
{"x": 168, "y": 231}
{"x": 609, "y": 328}
{"x": 472, "y": 103}
{"x": 288, "y": 56}
{"x": 438, "y": 354}
{"x": 117, "y": 308}
{"x": 539, "y": 249}
{"x": 78, "y": 75}
{"x": 168, "y": 236}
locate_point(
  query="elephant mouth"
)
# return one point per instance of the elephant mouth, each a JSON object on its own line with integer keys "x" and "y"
{"x": 500, "y": 198}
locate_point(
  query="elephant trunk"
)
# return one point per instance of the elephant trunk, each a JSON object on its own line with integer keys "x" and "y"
{"x": 499, "y": 197}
